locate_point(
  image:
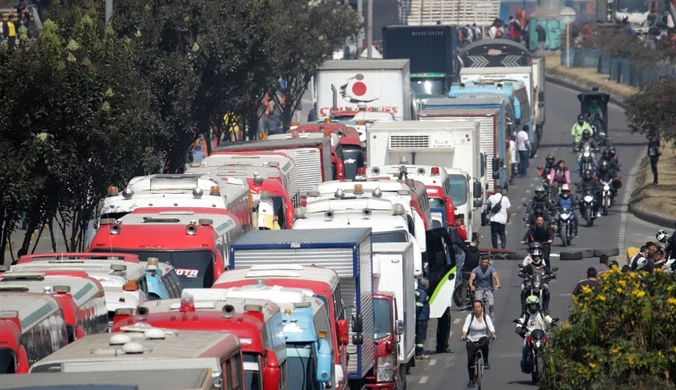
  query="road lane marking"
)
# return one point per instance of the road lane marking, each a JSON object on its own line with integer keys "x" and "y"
{"x": 554, "y": 255}
{"x": 456, "y": 321}
{"x": 528, "y": 191}
{"x": 532, "y": 185}
{"x": 432, "y": 362}
{"x": 624, "y": 210}
{"x": 523, "y": 199}
{"x": 423, "y": 380}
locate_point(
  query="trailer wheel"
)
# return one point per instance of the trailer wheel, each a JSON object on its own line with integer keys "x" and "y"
{"x": 608, "y": 252}
{"x": 571, "y": 255}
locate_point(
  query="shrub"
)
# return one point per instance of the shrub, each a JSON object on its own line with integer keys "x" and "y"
{"x": 620, "y": 335}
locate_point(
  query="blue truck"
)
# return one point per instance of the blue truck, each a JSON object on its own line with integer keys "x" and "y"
{"x": 346, "y": 251}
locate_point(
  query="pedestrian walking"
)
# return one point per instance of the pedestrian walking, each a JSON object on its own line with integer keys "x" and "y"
{"x": 542, "y": 39}
{"x": 513, "y": 159}
{"x": 591, "y": 281}
{"x": 654, "y": 154}
{"x": 523, "y": 146}
{"x": 500, "y": 209}
{"x": 422, "y": 317}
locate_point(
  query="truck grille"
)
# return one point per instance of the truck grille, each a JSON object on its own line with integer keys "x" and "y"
{"x": 409, "y": 142}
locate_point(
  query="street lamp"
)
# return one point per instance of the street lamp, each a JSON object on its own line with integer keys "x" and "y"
{"x": 567, "y": 16}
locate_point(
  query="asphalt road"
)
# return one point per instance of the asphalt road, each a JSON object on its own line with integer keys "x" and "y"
{"x": 607, "y": 232}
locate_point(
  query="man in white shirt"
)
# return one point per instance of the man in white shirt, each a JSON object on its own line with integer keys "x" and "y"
{"x": 499, "y": 216}
{"x": 513, "y": 158}
{"x": 523, "y": 146}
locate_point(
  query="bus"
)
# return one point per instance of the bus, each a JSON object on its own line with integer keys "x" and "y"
{"x": 149, "y": 349}
{"x": 31, "y": 327}
{"x": 80, "y": 296}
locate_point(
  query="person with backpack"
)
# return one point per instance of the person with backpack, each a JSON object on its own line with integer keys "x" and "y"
{"x": 477, "y": 328}
{"x": 500, "y": 214}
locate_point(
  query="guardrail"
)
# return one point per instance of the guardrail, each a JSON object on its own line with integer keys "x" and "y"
{"x": 618, "y": 69}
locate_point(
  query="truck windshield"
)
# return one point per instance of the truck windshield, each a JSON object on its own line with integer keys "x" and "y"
{"x": 428, "y": 87}
{"x": 629, "y": 6}
{"x": 458, "y": 189}
{"x": 252, "y": 376}
{"x": 301, "y": 366}
{"x": 436, "y": 203}
{"x": 382, "y": 313}
{"x": 7, "y": 362}
{"x": 395, "y": 236}
{"x": 195, "y": 269}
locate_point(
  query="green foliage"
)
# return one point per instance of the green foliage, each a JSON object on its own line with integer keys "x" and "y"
{"x": 622, "y": 333}
{"x": 652, "y": 108}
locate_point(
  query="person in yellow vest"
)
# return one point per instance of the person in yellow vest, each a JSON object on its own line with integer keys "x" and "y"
{"x": 231, "y": 122}
{"x": 11, "y": 32}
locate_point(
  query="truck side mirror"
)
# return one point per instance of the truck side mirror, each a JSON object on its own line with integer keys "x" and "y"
{"x": 324, "y": 361}
{"x": 476, "y": 189}
{"x": 478, "y": 203}
{"x": 356, "y": 323}
{"x": 541, "y": 96}
{"x": 496, "y": 164}
{"x": 357, "y": 339}
{"x": 342, "y": 330}
{"x": 399, "y": 327}
{"x": 271, "y": 372}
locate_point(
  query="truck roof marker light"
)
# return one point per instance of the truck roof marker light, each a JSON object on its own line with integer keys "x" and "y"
{"x": 328, "y": 215}
{"x": 287, "y": 312}
{"x": 403, "y": 160}
{"x": 339, "y": 194}
{"x": 113, "y": 191}
{"x": 153, "y": 263}
{"x": 197, "y": 192}
{"x": 254, "y": 308}
{"x": 228, "y": 311}
{"x": 398, "y": 209}
{"x": 295, "y": 134}
{"x": 127, "y": 193}
{"x": 195, "y": 165}
{"x": 262, "y": 136}
{"x": 295, "y": 124}
{"x": 187, "y": 304}
{"x": 154, "y": 334}
{"x": 358, "y": 189}
{"x": 191, "y": 229}
{"x": 45, "y": 290}
{"x": 215, "y": 191}
{"x": 118, "y": 267}
{"x": 119, "y": 339}
{"x": 361, "y": 171}
{"x": 273, "y": 164}
{"x": 366, "y": 213}
{"x": 404, "y": 192}
{"x": 299, "y": 213}
{"x": 421, "y": 170}
{"x": 257, "y": 178}
{"x": 130, "y": 286}
{"x": 133, "y": 348}
{"x": 313, "y": 194}
{"x": 61, "y": 289}
{"x": 377, "y": 193}
{"x": 435, "y": 171}
{"x": 361, "y": 123}
{"x": 322, "y": 334}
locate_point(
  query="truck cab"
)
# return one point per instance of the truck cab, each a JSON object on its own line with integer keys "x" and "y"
{"x": 257, "y": 324}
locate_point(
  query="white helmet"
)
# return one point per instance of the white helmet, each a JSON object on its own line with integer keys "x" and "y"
{"x": 661, "y": 236}
{"x": 565, "y": 187}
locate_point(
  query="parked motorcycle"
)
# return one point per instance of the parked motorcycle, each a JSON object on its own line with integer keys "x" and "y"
{"x": 606, "y": 196}
{"x": 536, "y": 341}
{"x": 564, "y": 223}
{"x": 587, "y": 207}
{"x": 536, "y": 283}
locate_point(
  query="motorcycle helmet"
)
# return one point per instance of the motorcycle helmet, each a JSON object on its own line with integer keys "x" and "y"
{"x": 662, "y": 236}
{"x": 539, "y": 192}
{"x": 565, "y": 191}
{"x": 550, "y": 159}
{"x": 603, "y": 166}
{"x": 533, "y": 304}
{"x": 586, "y": 133}
{"x": 537, "y": 257}
{"x": 587, "y": 174}
{"x": 595, "y": 88}
{"x": 612, "y": 151}
{"x": 533, "y": 246}
{"x": 580, "y": 119}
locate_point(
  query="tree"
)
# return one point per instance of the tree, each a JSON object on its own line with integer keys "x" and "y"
{"x": 310, "y": 31}
{"x": 652, "y": 108}
{"x": 621, "y": 334}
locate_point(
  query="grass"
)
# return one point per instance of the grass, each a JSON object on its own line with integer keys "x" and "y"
{"x": 660, "y": 199}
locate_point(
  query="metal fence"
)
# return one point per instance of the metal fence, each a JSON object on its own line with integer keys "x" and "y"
{"x": 618, "y": 69}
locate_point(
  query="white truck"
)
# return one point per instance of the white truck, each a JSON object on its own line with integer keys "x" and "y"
{"x": 453, "y": 145}
{"x": 393, "y": 271}
{"x": 381, "y": 85}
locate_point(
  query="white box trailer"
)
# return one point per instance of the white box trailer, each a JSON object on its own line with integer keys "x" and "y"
{"x": 538, "y": 65}
{"x": 393, "y": 272}
{"x": 381, "y": 85}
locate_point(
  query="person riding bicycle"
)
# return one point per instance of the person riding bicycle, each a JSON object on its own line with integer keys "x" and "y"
{"x": 566, "y": 200}
{"x": 549, "y": 165}
{"x": 531, "y": 320}
{"x": 529, "y": 257}
{"x": 487, "y": 280}
{"x": 611, "y": 162}
{"x": 537, "y": 266}
{"x": 579, "y": 147}
{"x": 591, "y": 184}
{"x": 477, "y": 327}
{"x": 559, "y": 175}
{"x": 579, "y": 127}
{"x": 605, "y": 173}
{"x": 542, "y": 233}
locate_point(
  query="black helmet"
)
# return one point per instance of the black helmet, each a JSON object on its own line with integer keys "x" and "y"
{"x": 611, "y": 151}
{"x": 586, "y": 133}
{"x": 580, "y": 118}
{"x": 550, "y": 159}
{"x": 587, "y": 174}
{"x": 603, "y": 165}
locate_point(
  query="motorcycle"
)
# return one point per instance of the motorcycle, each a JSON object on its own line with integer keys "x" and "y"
{"x": 586, "y": 162}
{"x": 535, "y": 283}
{"x": 536, "y": 341}
{"x": 564, "y": 222}
{"x": 587, "y": 207}
{"x": 606, "y": 196}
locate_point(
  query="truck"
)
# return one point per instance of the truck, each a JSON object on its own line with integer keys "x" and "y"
{"x": 433, "y": 55}
{"x": 448, "y": 144}
{"x": 494, "y": 113}
{"x": 393, "y": 272}
{"x": 381, "y": 85}
{"x": 348, "y": 252}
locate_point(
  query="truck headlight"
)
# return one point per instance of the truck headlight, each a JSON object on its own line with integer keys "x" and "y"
{"x": 385, "y": 371}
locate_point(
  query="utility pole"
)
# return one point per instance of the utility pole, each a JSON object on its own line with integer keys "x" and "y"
{"x": 360, "y": 35}
{"x": 369, "y": 32}
{"x": 109, "y": 11}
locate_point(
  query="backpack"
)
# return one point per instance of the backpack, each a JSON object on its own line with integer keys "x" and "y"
{"x": 472, "y": 319}
{"x": 498, "y": 206}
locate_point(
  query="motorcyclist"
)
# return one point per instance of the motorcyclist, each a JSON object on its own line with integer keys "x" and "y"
{"x": 595, "y": 111}
{"x": 532, "y": 269}
{"x": 566, "y": 200}
{"x": 529, "y": 257}
{"x": 612, "y": 153}
{"x": 542, "y": 233}
{"x": 549, "y": 165}
{"x": 590, "y": 183}
{"x": 559, "y": 175}
{"x": 528, "y": 322}
{"x": 611, "y": 162}
{"x": 602, "y": 139}
{"x": 579, "y": 127}
{"x": 586, "y": 139}
{"x": 540, "y": 200}
{"x": 605, "y": 173}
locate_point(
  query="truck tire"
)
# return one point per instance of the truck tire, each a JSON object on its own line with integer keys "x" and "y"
{"x": 402, "y": 383}
{"x": 578, "y": 255}
{"x": 608, "y": 252}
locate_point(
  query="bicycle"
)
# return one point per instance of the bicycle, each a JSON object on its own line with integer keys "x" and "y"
{"x": 478, "y": 363}
{"x": 484, "y": 303}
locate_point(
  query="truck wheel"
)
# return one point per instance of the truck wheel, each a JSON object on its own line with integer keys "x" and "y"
{"x": 401, "y": 379}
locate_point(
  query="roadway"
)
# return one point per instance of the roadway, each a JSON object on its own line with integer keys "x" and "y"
{"x": 607, "y": 232}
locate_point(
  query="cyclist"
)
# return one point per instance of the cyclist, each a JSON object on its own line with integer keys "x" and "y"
{"x": 537, "y": 266}
{"x": 528, "y": 322}
{"x": 487, "y": 280}
{"x": 476, "y": 329}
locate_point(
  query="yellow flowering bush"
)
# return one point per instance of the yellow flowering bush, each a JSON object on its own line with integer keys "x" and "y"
{"x": 621, "y": 335}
